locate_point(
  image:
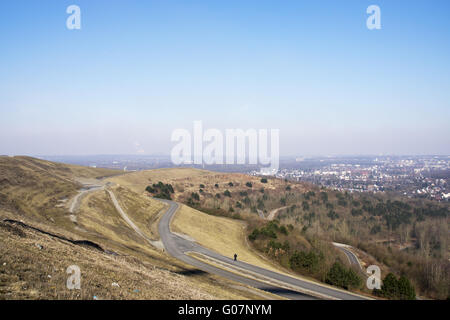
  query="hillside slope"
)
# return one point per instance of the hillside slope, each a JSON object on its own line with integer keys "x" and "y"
{"x": 40, "y": 238}
{"x": 294, "y": 224}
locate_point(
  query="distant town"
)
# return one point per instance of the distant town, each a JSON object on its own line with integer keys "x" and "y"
{"x": 417, "y": 176}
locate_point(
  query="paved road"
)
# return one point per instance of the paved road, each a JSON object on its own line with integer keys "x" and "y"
{"x": 281, "y": 284}
{"x": 352, "y": 258}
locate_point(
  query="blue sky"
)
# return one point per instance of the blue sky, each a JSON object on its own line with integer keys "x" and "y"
{"x": 137, "y": 70}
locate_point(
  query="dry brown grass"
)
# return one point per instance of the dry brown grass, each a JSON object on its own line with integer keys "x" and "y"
{"x": 135, "y": 267}
{"x": 35, "y": 188}
{"x": 138, "y": 181}
{"x": 100, "y": 220}
{"x": 28, "y": 272}
{"x": 31, "y": 191}
{"x": 143, "y": 210}
{"x": 188, "y": 180}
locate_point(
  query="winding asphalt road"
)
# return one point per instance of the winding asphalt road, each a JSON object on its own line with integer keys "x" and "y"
{"x": 280, "y": 284}
{"x": 352, "y": 258}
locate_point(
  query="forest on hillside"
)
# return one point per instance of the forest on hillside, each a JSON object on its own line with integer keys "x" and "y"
{"x": 296, "y": 223}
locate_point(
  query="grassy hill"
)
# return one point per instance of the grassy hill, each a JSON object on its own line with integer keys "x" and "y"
{"x": 273, "y": 223}
{"x": 294, "y": 224}
{"x": 40, "y": 238}
{"x": 37, "y": 188}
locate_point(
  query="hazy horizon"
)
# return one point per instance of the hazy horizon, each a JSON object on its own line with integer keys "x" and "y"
{"x": 291, "y": 156}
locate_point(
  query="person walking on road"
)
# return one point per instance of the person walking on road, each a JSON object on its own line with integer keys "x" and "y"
{"x": 235, "y": 257}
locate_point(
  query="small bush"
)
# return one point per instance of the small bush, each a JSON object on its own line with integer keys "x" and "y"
{"x": 160, "y": 190}
{"x": 195, "y": 196}
{"x": 393, "y": 288}
{"x": 254, "y": 235}
{"x": 342, "y": 277}
{"x": 306, "y": 261}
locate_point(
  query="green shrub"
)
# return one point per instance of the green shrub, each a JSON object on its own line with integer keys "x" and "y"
{"x": 343, "y": 277}
{"x": 278, "y": 245}
{"x": 332, "y": 215}
{"x": 305, "y": 206}
{"x": 393, "y": 288}
{"x": 375, "y": 229}
{"x": 268, "y": 231}
{"x": 306, "y": 261}
{"x": 161, "y": 190}
{"x": 406, "y": 289}
{"x": 163, "y": 196}
{"x": 283, "y": 230}
{"x": 195, "y": 196}
{"x": 254, "y": 235}
{"x": 324, "y": 196}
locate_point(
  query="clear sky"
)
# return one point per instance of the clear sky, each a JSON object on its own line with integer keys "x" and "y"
{"x": 137, "y": 70}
